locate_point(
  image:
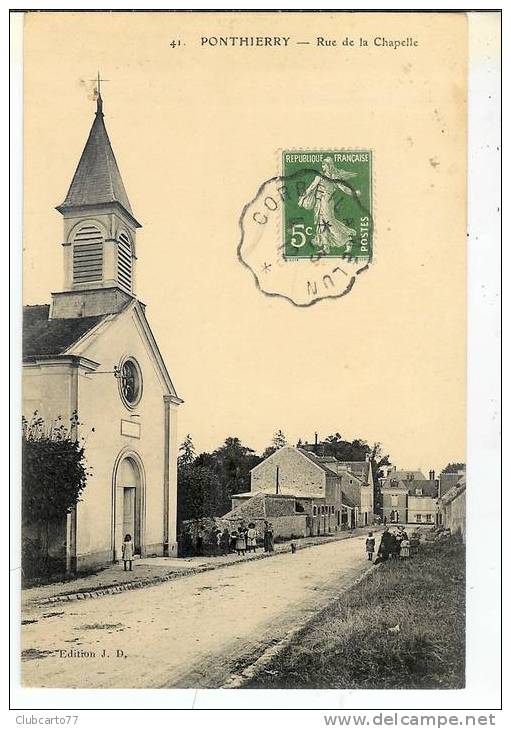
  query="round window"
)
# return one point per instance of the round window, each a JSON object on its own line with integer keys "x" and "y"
{"x": 130, "y": 382}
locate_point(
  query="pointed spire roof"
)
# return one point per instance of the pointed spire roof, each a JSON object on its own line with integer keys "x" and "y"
{"x": 97, "y": 180}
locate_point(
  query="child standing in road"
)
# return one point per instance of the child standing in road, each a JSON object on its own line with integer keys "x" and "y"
{"x": 404, "y": 552}
{"x": 241, "y": 544}
{"x": 370, "y": 541}
{"x": 127, "y": 553}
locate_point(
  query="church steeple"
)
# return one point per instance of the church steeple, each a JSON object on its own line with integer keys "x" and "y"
{"x": 99, "y": 227}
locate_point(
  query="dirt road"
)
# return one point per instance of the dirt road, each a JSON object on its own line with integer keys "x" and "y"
{"x": 194, "y": 632}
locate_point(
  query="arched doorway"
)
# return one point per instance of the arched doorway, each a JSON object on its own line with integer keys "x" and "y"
{"x": 129, "y": 503}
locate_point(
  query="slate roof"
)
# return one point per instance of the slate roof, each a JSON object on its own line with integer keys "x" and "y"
{"x": 403, "y": 476}
{"x": 359, "y": 468}
{"x": 347, "y": 501}
{"x": 317, "y": 461}
{"x": 447, "y": 480}
{"x": 455, "y": 490}
{"x": 97, "y": 179}
{"x": 43, "y": 337}
{"x": 429, "y": 488}
{"x": 401, "y": 485}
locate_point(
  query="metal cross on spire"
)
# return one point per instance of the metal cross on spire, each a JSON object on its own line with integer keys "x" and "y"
{"x": 99, "y": 100}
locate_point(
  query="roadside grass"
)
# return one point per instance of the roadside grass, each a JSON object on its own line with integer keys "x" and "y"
{"x": 355, "y": 643}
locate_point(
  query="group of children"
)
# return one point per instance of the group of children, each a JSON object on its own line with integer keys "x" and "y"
{"x": 244, "y": 539}
{"x": 392, "y": 545}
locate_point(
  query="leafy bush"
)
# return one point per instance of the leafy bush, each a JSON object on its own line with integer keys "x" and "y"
{"x": 54, "y": 475}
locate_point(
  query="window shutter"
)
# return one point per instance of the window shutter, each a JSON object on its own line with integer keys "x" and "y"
{"x": 124, "y": 262}
{"x": 88, "y": 254}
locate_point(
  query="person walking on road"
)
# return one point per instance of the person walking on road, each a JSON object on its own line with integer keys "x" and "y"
{"x": 370, "y": 542}
{"x": 266, "y": 537}
{"x": 127, "y": 553}
{"x": 225, "y": 539}
{"x": 270, "y": 538}
{"x": 233, "y": 539}
{"x": 241, "y": 543}
{"x": 404, "y": 549}
{"x": 385, "y": 547}
{"x": 251, "y": 538}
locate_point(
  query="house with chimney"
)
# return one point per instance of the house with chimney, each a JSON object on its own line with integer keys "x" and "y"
{"x": 357, "y": 483}
{"x": 410, "y": 498}
{"x": 299, "y": 493}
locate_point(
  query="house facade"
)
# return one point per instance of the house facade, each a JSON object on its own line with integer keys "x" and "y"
{"x": 91, "y": 351}
{"x": 408, "y": 497}
{"x": 453, "y": 507}
{"x": 395, "y": 502}
{"x": 423, "y": 502}
{"x": 358, "y": 483}
{"x": 316, "y": 489}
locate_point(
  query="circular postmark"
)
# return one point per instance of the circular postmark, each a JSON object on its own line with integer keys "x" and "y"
{"x": 308, "y": 233}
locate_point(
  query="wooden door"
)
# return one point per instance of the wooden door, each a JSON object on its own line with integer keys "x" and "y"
{"x": 129, "y": 512}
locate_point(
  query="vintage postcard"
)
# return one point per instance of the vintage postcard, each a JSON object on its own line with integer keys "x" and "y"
{"x": 244, "y": 388}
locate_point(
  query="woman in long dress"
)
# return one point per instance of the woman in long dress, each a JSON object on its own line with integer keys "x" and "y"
{"x": 270, "y": 538}
{"x": 319, "y": 197}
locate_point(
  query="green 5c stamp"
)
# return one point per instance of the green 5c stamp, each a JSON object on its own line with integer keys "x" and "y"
{"x": 307, "y": 234}
{"x": 327, "y": 211}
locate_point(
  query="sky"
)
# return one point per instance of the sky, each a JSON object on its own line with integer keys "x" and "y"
{"x": 195, "y": 131}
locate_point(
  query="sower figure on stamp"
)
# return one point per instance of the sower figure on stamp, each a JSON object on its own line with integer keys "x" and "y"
{"x": 319, "y": 197}
{"x": 127, "y": 553}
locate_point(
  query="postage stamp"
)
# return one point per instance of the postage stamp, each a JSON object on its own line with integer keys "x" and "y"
{"x": 327, "y": 210}
{"x": 308, "y": 232}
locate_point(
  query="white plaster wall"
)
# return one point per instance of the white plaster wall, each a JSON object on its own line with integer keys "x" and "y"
{"x": 48, "y": 389}
{"x": 102, "y": 408}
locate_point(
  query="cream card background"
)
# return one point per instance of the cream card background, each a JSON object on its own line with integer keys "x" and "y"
{"x": 195, "y": 131}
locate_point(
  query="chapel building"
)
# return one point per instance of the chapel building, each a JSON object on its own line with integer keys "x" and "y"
{"x": 91, "y": 351}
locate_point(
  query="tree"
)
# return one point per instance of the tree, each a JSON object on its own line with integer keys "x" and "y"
{"x": 454, "y": 468}
{"x": 356, "y": 450}
{"x": 233, "y": 463}
{"x": 278, "y": 441}
{"x": 54, "y": 475}
{"x": 186, "y": 452}
{"x": 344, "y": 450}
{"x": 207, "y": 482}
{"x": 196, "y": 492}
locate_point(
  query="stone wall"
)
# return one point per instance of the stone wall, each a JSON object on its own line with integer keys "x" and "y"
{"x": 290, "y": 526}
{"x": 276, "y": 506}
{"x": 454, "y": 514}
{"x": 283, "y": 526}
{"x": 248, "y": 507}
{"x": 297, "y": 475}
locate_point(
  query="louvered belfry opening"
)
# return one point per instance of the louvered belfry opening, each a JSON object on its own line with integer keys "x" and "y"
{"x": 88, "y": 255}
{"x": 124, "y": 263}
